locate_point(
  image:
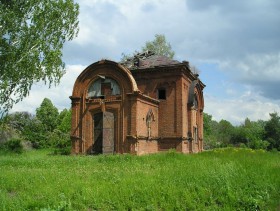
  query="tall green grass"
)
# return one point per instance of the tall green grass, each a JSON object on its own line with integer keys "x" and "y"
{"x": 225, "y": 179}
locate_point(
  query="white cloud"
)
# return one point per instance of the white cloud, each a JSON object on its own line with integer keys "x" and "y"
{"x": 255, "y": 67}
{"x": 261, "y": 71}
{"x": 236, "y": 110}
{"x": 241, "y": 37}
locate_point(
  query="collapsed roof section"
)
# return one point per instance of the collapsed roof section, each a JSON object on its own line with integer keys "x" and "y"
{"x": 148, "y": 59}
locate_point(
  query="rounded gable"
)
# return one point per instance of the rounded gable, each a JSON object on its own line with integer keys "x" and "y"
{"x": 104, "y": 67}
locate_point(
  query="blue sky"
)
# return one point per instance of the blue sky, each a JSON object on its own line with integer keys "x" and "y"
{"x": 234, "y": 44}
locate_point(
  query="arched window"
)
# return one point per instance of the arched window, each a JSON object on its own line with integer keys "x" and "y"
{"x": 103, "y": 87}
{"x": 195, "y": 102}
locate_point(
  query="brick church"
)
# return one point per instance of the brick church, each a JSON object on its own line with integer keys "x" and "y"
{"x": 147, "y": 104}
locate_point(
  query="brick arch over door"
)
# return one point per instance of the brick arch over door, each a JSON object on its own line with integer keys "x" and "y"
{"x": 108, "y": 68}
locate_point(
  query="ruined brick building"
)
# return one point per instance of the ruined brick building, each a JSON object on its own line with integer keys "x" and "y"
{"x": 148, "y": 104}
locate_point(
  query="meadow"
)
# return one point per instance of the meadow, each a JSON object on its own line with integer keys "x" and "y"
{"x": 222, "y": 179}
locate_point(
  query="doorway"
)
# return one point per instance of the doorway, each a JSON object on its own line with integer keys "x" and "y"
{"x": 103, "y": 136}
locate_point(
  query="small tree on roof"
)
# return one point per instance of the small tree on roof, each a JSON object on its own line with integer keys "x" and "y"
{"x": 159, "y": 46}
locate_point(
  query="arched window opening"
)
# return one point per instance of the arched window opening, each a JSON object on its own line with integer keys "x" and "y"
{"x": 162, "y": 94}
{"x": 103, "y": 87}
{"x": 195, "y": 102}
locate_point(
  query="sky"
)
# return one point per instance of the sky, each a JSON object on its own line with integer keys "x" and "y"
{"x": 234, "y": 44}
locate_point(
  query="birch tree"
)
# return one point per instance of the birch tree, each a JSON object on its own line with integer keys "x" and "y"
{"x": 32, "y": 34}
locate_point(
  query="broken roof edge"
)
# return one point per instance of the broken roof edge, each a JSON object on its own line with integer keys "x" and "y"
{"x": 150, "y": 60}
{"x": 147, "y": 59}
{"x": 184, "y": 67}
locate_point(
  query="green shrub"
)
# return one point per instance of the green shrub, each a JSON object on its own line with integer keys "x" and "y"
{"x": 61, "y": 142}
{"x": 242, "y": 145}
{"x": 14, "y": 145}
{"x": 274, "y": 150}
{"x": 258, "y": 144}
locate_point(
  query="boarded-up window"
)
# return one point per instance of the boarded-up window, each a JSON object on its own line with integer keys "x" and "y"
{"x": 103, "y": 87}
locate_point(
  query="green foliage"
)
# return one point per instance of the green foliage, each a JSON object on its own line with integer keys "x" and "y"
{"x": 224, "y": 132}
{"x": 13, "y": 145}
{"x": 28, "y": 128}
{"x": 207, "y": 123}
{"x": 61, "y": 115}
{"x": 61, "y": 142}
{"x": 18, "y": 120}
{"x": 31, "y": 40}
{"x": 272, "y": 131}
{"x": 249, "y": 134}
{"x": 60, "y": 137}
{"x": 258, "y": 144}
{"x": 64, "y": 121}
{"x": 47, "y": 113}
{"x": 35, "y": 133}
{"x": 7, "y": 132}
{"x": 159, "y": 46}
{"x": 210, "y": 130}
{"x": 46, "y": 129}
{"x": 221, "y": 179}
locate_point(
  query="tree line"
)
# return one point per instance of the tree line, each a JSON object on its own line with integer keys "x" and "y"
{"x": 48, "y": 128}
{"x": 252, "y": 134}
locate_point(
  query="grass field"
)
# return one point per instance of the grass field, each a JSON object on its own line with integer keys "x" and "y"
{"x": 224, "y": 179}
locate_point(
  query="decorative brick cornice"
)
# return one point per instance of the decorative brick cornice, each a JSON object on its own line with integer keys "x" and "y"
{"x": 143, "y": 97}
{"x": 143, "y": 138}
{"x": 177, "y": 138}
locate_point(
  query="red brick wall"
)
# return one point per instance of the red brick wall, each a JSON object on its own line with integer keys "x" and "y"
{"x": 173, "y": 118}
{"x": 149, "y": 83}
{"x": 143, "y": 108}
{"x": 146, "y": 147}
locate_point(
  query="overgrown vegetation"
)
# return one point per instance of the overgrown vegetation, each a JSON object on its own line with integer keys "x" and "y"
{"x": 47, "y": 129}
{"x": 50, "y": 129}
{"x": 252, "y": 134}
{"x": 222, "y": 179}
{"x": 13, "y": 145}
{"x": 158, "y": 46}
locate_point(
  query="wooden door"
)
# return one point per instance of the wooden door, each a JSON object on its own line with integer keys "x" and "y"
{"x": 98, "y": 135}
{"x": 103, "y": 133}
{"x": 108, "y": 133}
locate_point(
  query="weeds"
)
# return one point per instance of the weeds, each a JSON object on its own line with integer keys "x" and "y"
{"x": 225, "y": 179}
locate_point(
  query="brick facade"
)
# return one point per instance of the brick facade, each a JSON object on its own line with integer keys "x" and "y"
{"x": 149, "y": 107}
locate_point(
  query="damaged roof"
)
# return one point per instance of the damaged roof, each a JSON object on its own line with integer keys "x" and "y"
{"x": 148, "y": 60}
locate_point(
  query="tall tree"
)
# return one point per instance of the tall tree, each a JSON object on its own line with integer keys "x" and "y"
{"x": 159, "y": 46}
{"x": 47, "y": 113}
{"x": 224, "y": 132}
{"x": 272, "y": 131}
{"x": 32, "y": 34}
{"x": 210, "y": 128}
{"x": 64, "y": 121}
